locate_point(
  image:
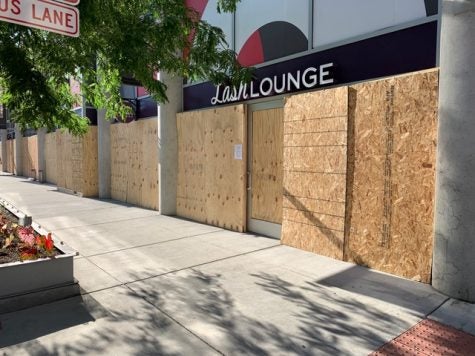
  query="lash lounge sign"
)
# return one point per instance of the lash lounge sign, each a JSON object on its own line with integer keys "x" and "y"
{"x": 309, "y": 78}
{"x": 403, "y": 51}
{"x": 53, "y": 16}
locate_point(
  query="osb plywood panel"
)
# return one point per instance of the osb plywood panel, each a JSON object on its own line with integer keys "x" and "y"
{"x": 191, "y": 185}
{"x": 134, "y": 163}
{"x": 267, "y": 165}
{"x": 134, "y": 184}
{"x": 327, "y": 158}
{"x": 225, "y": 179}
{"x": 315, "y": 128}
{"x": 30, "y": 156}
{"x": 11, "y": 149}
{"x": 392, "y": 149}
{"x": 149, "y": 198}
{"x": 77, "y": 162}
{"x": 63, "y": 155}
{"x": 90, "y": 173}
{"x": 317, "y": 206}
{"x": 143, "y": 164}
{"x": 315, "y": 166}
{"x": 119, "y": 161}
{"x": 50, "y": 158}
{"x": 211, "y": 183}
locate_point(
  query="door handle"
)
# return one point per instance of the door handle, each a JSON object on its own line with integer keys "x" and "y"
{"x": 248, "y": 181}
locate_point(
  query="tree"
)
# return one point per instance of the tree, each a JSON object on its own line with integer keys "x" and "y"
{"x": 133, "y": 37}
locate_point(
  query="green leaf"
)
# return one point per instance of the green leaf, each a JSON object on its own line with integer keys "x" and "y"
{"x": 137, "y": 38}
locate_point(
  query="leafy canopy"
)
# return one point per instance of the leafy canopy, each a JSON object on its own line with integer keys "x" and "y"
{"x": 117, "y": 37}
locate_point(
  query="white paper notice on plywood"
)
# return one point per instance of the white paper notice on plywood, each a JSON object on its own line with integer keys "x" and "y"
{"x": 238, "y": 151}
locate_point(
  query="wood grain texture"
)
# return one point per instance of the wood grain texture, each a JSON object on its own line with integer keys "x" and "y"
{"x": 119, "y": 161}
{"x": 315, "y": 165}
{"x": 392, "y": 151}
{"x": 191, "y": 184}
{"x": 134, "y": 163}
{"x": 51, "y": 162}
{"x": 30, "y": 156}
{"x": 211, "y": 183}
{"x": 10, "y": 164}
{"x": 76, "y": 158}
{"x": 90, "y": 172}
{"x": 267, "y": 165}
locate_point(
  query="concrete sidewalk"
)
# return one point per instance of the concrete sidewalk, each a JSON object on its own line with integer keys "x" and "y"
{"x": 153, "y": 284}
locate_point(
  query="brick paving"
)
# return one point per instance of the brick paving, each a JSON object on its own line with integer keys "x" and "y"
{"x": 430, "y": 338}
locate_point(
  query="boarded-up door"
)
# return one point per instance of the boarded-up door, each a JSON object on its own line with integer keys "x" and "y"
{"x": 211, "y": 172}
{"x": 265, "y": 168}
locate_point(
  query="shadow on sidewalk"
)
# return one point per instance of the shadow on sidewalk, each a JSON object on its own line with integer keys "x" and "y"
{"x": 83, "y": 326}
{"x": 391, "y": 289}
{"x": 32, "y": 323}
{"x": 274, "y": 315}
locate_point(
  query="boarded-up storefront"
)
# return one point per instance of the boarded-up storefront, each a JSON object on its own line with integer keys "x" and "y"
{"x": 76, "y": 158}
{"x": 51, "y": 163}
{"x": 134, "y": 163}
{"x": 360, "y": 171}
{"x": 315, "y": 158}
{"x": 392, "y": 150}
{"x": 211, "y": 185}
{"x": 11, "y": 151}
{"x": 29, "y": 160}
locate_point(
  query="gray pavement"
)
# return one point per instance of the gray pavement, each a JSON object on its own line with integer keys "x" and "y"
{"x": 154, "y": 284}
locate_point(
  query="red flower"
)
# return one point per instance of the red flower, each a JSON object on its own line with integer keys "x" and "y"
{"x": 49, "y": 244}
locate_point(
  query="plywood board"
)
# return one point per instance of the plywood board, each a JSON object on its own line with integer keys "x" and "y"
{"x": 267, "y": 165}
{"x": 10, "y": 164}
{"x": 50, "y": 158}
{"x": 29, "y": 156}
{"x": 134, "y": 163}
{"x": 191, "y": 185}
{"x": 77, "y": 162}
{"x": 90, "y": 174}
{"x": 391, "y": 174}
{"x": 315, "y": 167}
{"x": 149, "y": 198}
{"x": 119, "y": 161}
{"x": 211, "y": 183}
{"x": 64, "y": 163}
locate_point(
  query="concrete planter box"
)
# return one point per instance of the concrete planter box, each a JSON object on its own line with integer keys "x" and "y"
{"x": 29, "y": 283}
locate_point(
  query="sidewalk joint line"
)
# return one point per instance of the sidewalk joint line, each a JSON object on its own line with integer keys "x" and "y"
{"x": 74, "y": 211}
{"x": 437, "y": 308}
{"x": 174, "y": 320}
{"x": 101, "y": 223}
{"x": 203, "y": 264}
{"x": 151, "y": 244}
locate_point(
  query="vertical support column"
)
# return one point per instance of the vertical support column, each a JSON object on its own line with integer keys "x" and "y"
{"x": 454, "y": 245}
{"x": 41, "y": 139}
{"x": 18, "y": 151}
{"x": 167, "y": 143}
{"x": 104, "y": 154}
{"x": 3, "y": 137}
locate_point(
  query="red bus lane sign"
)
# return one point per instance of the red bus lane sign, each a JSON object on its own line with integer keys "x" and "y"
{"x": 41, "y": 14}
{"x": 69, "y": 2}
